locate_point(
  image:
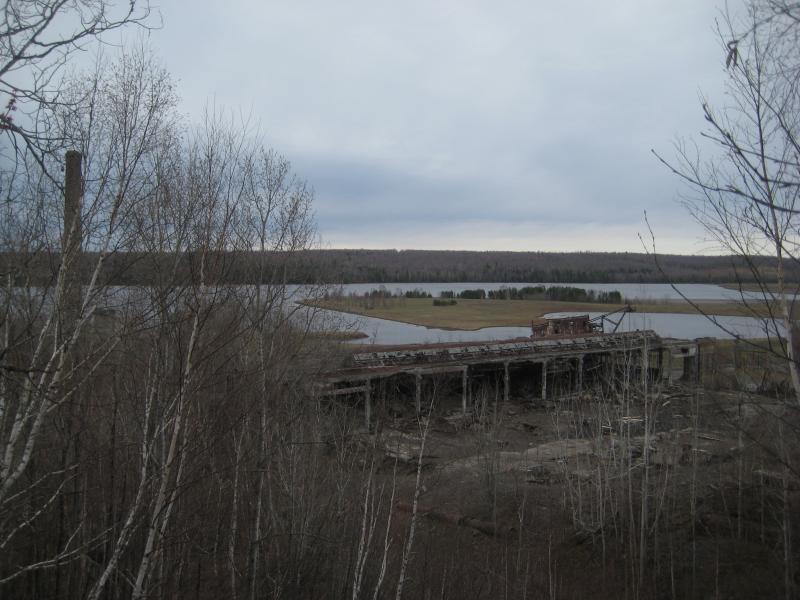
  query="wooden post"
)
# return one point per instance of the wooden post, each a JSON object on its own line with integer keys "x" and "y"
{"x": 579, "y": 381}
{"x": 464, "y": 387}
{"x": 506, "y": 382}
{"x": 544, "y": 380}
{"x": 418, "y": 394}
{"x": 367, "y": 404}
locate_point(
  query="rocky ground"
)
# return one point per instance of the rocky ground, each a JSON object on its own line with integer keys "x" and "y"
{"x": 539, "y": 492}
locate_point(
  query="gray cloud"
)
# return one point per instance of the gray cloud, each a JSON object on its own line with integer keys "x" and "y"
{"x": 471, "y": 116}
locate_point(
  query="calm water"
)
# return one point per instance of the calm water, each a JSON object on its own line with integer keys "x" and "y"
{"x": 381, "y": 331}
{"x": 690, "y": 326}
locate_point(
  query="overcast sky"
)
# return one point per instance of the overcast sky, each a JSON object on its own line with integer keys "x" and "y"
{"x": 464, "y": 125}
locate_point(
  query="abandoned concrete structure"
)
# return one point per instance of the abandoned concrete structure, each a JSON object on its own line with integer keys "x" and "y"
{"x": 551, "y": 363}
{"x": 565, "y": 327}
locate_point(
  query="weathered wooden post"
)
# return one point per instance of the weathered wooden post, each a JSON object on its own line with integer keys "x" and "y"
{"x": 579, "y": 380}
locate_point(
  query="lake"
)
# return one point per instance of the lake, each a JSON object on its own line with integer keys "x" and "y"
{"x": 382, "y": 331}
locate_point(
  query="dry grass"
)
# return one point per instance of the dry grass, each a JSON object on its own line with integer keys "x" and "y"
{"x": 476, "y": 314}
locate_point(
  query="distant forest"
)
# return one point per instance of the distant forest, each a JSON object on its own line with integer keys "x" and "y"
{"x": 411, "y": 266}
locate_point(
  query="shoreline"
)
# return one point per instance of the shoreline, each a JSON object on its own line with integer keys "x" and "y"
{"x": 475, "y": 315}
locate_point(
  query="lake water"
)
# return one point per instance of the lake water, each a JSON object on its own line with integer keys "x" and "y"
{"x": 690, "y": 326}
{"x": 381, "y": 331}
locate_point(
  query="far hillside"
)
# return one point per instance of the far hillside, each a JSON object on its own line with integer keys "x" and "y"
{"x": 408, "y": 266}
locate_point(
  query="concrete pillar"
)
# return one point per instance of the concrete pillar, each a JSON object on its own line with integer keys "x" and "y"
{"x": 665, "y": 365}
{"x": 367, "y": 404}
{"x": 418, "y": 391}
{"x": 544, "y": 380}
{"x": 697, "y": 365}
{"x": 72, "y": 236}
{"x": 73, "y": 231}
{"x": 645, "y": 366}
{"x": 506, "y": 382}
{"x": 464, "y": 389}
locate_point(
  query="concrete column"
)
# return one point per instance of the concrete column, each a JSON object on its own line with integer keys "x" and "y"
{"x": 367, "y": 404}
{"x": 665, "y": 365}
{"x": 697, "y": 363}
{"x": 506, "y": 382}
{"x": 645, "y": 366}
{"x": 72, "y": 236}
{"x": 418, "y": 391}
{"x": 544, "y": 380}
{"x": 464, "y": 390}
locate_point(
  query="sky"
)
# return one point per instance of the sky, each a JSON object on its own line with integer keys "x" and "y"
{"x": 464, "y": 125}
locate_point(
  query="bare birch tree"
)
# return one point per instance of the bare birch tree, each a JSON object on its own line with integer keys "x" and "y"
{"x": 113, "y": 414}
{"x": 38, "y": 38}
{"x": 47, "y": 355}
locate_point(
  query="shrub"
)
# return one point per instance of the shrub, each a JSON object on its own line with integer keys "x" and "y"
{"x": 473, "y": 294}
{"x": 444, "y": 301}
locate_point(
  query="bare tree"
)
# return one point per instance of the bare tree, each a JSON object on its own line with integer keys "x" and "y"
{"x": 37, "y": 39}
{"x": 52, "y": 350}
{"x": 744, "y": 183}
{"x": 746, "y": 194}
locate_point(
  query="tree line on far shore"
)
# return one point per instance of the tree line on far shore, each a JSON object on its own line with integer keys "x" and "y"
{"x": 540, "y": 292}
{"x": 419, "y": 266}
{"x": 427, "y": 266}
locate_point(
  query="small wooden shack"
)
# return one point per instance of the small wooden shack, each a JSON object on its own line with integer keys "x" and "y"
{"x": 573, "y": 326}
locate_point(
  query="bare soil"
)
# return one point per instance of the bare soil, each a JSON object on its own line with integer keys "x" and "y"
{"x": 545, "y": 499}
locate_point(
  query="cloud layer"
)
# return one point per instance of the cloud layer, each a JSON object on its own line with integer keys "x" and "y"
{"x": 469, "y": 125}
